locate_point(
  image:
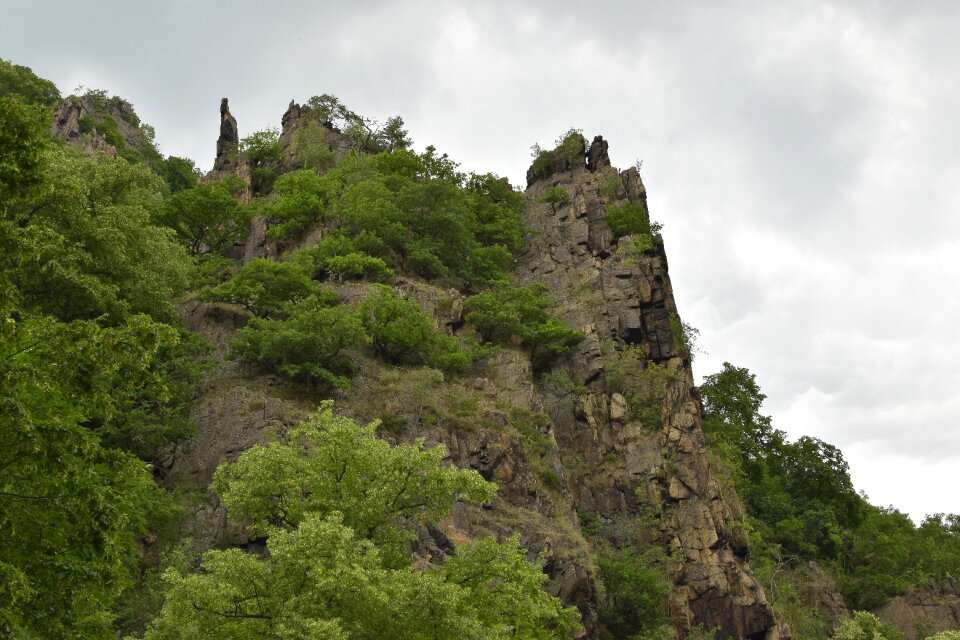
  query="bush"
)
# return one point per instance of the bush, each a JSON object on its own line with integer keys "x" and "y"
{"x": 865, "y": 626}
{"x": 636, "y": 594}
{"x": 264, "y": 287}
{"x": 522, "y": 314}
{"x": 338, "y": 257}
{"x": 308, "y": 345}
{"x": 403, "y": 334}
{"x": 628, "y": 218}
{"x": 555, "y": 197}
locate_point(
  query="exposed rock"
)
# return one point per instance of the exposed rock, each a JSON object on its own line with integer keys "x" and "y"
{"x": 626, "y": 299}
{"x": 820, "y": 591}
{"x": 597, "y": 157}
{"x": 228, "y": 144}
{"x": 74, "y": 114}
{"x": 925, "y": 610}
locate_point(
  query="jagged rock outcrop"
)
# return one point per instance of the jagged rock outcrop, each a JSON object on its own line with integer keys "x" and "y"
{"x": 227, "y": 159}
{"x": 563, "y": 446}
{"x": 621, "y": 297}
{"x": 75, "y": 122}
{"x": 924, "y": 610}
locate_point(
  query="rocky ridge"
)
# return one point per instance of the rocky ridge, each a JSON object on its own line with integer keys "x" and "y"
{"x": 622, "y": 298}
{"x": 602, "y": 463}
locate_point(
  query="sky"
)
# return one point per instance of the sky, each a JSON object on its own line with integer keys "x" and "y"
{"x": 803, "y": 157}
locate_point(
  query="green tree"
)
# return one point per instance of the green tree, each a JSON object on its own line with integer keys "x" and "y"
{"x": 206, "y": 217}
{"x": 178, "y": 173}
{"x": 23, "y": 135}
{"x": 863, "y": 625}
{"x": 522, "y": 314}
{"x": 69, "y": 507}
{"x": 337, "y": 506}
{"x": 21, "y": 82}
{"x": 262, "y": 149}
{"x": 265, "y": 287}
{"x": 90, "y": 246}
{"x": 308, "y": 345}
{"x": 402, "y": 333}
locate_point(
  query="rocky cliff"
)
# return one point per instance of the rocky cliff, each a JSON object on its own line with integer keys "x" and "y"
{"x": 925, "y": 610}
{"x": 93, "y": 122}
{"x": 602, "y": 452}
{"x": 622, "y": 298}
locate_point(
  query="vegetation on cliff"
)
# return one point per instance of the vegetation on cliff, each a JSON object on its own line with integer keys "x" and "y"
{"x": 803, "y": 506}
{"x": 385, "y": 268}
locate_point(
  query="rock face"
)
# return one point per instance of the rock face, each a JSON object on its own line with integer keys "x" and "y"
{"x": 72, "y": 124}
{"x": 925, "y": 610}
{"x": 619, "y": 294}
{"x": 582, "y": 469}
{"x": 228, "y": 144}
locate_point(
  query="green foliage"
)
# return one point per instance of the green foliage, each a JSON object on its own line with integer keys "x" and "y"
{"x": 93, "y": 249}
{"x": 330, "y": 464}
{"x": 337, "y": 506}
{"x": 58, "y": 484}
{"x": 23, "y": 136}
{"x": 402, "y": 334}
{"x": 262, "y": 149}
{"x": 265, "y": 287}
{"x": 308, "y": 345}
{"x": 636, "y": 594}
{"x": 206, "y": 217}
{"x": 569, "y": 147}
{"x": 337, "y": 257}
{"x": 301, "y": 198}
{"x": 685, "y": 336}
{"x": 628, "y": 218}
{"x": 414, "y": 212}
{"x": 522, "y": 314}
{"x": 863, "y": 625}
{"x": 21, "y": 83}
{"x": 362, "y": 134}
{"x": 555, "y": 197}
{"x": 609, "y": 184}
{"x": 178, "y": 173}
{"x": 83, "y": 372}
{"x": 803, "y": 504}
{"x": 641, "y": 382}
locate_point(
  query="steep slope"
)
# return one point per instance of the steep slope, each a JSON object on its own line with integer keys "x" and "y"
{"x": 583, "y": 471}
{"x": 623, "y": 298}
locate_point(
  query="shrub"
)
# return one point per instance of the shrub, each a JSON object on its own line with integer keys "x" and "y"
{"x": 522, "y": 313}
{"x": 628, "y": 218}
{"x": 636, "y": 594}
{"x": 555, "y": 197}
{"x": 865, "y": 626}
{"x": 403, "y": 334}
{"x": 308, "y": 345}
{"x": 264, "y": 287}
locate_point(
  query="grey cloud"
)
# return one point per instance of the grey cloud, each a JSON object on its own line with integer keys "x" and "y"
{"x": 803, "y": 157}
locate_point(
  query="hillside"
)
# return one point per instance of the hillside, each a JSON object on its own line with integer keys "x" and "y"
{"x": 190, "y": 327}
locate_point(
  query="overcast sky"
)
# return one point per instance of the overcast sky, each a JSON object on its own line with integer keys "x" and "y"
{"x": 803, "y": 157}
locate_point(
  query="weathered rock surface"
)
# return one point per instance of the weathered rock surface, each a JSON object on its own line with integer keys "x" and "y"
{"x": 562, "y": 446}
{"x": 925, "y": 610}
{"x": 67, "y": 125}
{"x": 227, "y": 160}
{"x": 617, "y": 469}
